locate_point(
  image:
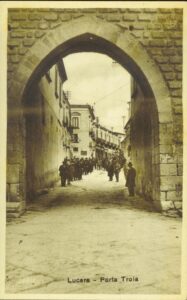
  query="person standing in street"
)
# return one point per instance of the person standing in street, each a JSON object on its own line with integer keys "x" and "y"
{"x": 110, "y": 170}
{"x": 130, "y": 180}
{"x": 63, "y": 173}
{"x": 116, "y": 168}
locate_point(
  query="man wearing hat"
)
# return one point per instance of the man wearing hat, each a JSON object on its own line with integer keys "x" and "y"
{"x": 130, "y": 180}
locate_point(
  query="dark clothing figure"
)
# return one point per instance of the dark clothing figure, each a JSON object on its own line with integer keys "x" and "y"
{"x": 117, "y": 168}
{"x": 63, "y": 174}
{"x": 130, "y": 180}
{"x": 110, "y": 170}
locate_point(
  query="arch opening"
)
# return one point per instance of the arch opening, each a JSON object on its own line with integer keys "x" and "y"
{"x": 143, "y": 130}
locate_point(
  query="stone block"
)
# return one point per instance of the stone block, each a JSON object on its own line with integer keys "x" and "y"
{"x": 169, "y": 76}
{"x": 30, "y": 34}
{"x": 28, "y": 42}
{"x": 13, "y": 50}
{"x": 43, "y": 25}
{"x": 171, "y": 25}
{"x": 65, "y": 17}
{"x": 144, "y": 17}
{"x": 134, "y": 10}
{"x": 163, "y": 196}
{"x": 18, "y": 16}
{"x": 176, "y": 93}
{"x": 129, "y": 17}
{"x": 175, "y": 59}
{"x": 168, "y": 169}
{"x": 179, "y": 169}
{"x": 13, "y": 156}
{"x": 176, "y": 35}
{"x": 14, "y": 59}
{"x": 150, "y": 10}
{"x": 137, "y": 33}
{"x": 167, "y": 205}
{"x": 159, "y": 34}
{"x": 174, "y": 84}
{"x": 161, "y": 59}
{"x": 165, "y": 10}
{"x": 156, "y": 51}
{"x": 13, "y": 206}
{"x": 35, "y": 16}
{"x": 178, "y": 43}
{"x": 23, "y": 50}
{"x": 154, "y": 26}
{"x": 13, "y": 173}
{"x": 29, "y": 25}
{"x": 168, "y": 183}
{"x": 166, "y": 149}
{"x": 178, "y": 110}
{"x": 166, "y": 68}
{"x": 39, "y": 33}
{"x": 14, "y": 192}
{"x": 13, "y": 43}
{"x": 114, "y": 17}
{"x": 179, "y": 76}
{"x": 17, "y": 34}
{"x": 169, "y": 51}
{"x": 173, "y": 196}
{"x": 178, "y": 204}
{"x": 51, "y": 16}
{"x": 13, "y": 25}
{"x": 165, "y": 158}
{"x": 178, "y": 67}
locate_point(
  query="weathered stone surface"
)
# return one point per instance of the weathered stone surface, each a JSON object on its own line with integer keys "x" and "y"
{"x": 159, "y": 31}
{"x": 13, "y": 173}
{"x": 14, "y": 192}
{"x": 168, "y": 169}
{"x": 169, "y": 182}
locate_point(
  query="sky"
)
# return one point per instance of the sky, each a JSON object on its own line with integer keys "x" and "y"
{"x": 96, "y": 80}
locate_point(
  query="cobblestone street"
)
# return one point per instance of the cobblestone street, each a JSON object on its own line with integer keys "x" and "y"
{"x": 92, "y": 230}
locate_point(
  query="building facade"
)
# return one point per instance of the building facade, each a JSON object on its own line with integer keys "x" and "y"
{"x": 47, "y": 130}
{"x": 107, "y": 142}
{"x": 82, "y": 142}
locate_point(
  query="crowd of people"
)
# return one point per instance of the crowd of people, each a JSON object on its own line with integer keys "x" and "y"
{"x": 73, "y": 169}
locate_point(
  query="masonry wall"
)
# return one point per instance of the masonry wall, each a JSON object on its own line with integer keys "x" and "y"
{"x": 159, "y": 32}
{"x": 142, "y": 143}
{"x": 44, "y": 150}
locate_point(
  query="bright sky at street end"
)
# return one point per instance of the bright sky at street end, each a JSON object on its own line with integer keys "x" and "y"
{"x": 96, "y": 80}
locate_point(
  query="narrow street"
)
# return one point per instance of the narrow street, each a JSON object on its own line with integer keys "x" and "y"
{"x": 92, "y": 231}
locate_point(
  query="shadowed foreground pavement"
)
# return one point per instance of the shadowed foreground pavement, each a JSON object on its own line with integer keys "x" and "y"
{"x": 91, "y": 230}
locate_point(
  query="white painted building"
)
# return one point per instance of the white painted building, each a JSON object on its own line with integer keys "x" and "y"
{"x": 82, "y": 117}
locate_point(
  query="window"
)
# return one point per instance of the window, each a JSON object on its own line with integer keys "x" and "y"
{"x": 75, "y": 149}
{"x": 75, "y": 122}
{"x": 83, "y": 152}
{"x": 75, "y": 138}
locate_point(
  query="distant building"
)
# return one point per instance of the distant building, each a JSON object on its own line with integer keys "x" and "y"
{"x": 82, "y": 142}
{"x": 107, "y": 141}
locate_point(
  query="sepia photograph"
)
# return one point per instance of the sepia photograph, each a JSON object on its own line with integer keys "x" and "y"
{"x": 93, "y": 200}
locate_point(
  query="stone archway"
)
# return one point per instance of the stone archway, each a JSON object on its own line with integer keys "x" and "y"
{"x": 120, "y": 45}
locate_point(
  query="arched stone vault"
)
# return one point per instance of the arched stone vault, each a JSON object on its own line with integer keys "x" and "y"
{"x": 100, "y": 36}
